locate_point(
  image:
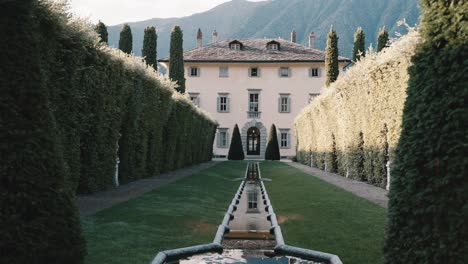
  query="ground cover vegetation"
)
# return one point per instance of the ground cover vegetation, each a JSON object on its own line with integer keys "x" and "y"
{"x": 70, "y": 109}
{"x": 429, "y": 187}
{"x": 353, "y": 128}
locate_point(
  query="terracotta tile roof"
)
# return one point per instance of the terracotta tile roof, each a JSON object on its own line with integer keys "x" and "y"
{"x": 254, "y": 50}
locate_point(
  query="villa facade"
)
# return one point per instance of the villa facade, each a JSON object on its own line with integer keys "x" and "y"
{"x": 254, "y": 83}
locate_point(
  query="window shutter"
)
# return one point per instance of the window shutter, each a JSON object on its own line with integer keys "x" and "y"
{"x": 310, "y": 72}
{"x": 228, "y": 139}
{"x": 218, "y": 140}
{"x": 197, "y": 100}
{"x": 279, "y": 104}
{"x": 250, "y": 72}
{"x": 319, "y": 72}
{"x": 289, "y": 72}
{"x": 228, "y": 103}
{"x": 289, "y": 104}
{"x": 289, "y": 140}
{"x": 258, "y": 72}
{"x": 198, "y": 72}
{"x": 279, "y": 72}
{"x": 218, "y": 104}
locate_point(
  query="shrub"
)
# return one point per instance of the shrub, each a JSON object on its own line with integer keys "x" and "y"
{"x": 101, "y": 30}
{"x": 272, "y": 151}
{"x": 176, "y": 59}
{"x": 149, "y": 47}
{"x": 236, "y": 152}
{"x": 331, "y": 57}
{"x": 429, "y": 188}
{"x": 126, "y": 39}
{"x": 359, "y": 48}
{"x": 355, "y": 109}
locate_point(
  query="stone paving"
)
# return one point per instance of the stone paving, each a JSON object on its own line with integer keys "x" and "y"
{"x": 93, "y": 203}
{"x": 369, "y": 192}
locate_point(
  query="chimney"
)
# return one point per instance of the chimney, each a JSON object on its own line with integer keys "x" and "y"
{"x": 312, "y": 40}
{"x": 215, "y": 36}
{"x": 199, "y": 38}
{"x": 293, "y": 36}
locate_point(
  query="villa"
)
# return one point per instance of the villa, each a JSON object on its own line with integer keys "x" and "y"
{"x": 254, "y": 83}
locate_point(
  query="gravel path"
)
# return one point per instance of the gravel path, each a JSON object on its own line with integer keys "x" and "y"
{"x": 369, "y": 192}
{"x": 93, "y": 203}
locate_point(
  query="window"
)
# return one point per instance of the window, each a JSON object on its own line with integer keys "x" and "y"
{"x": 235, "y": 46}
{"x": 273, "y": 46}
{"x": 223, "y": 72}
{"x": 194, "y": 71}
{"x": 312, "y": 96}
{"x": 223, "y": 103}
{"x": 254, "y": 72}
{"x": 285, "y": 72}
{"x": 194, "y": 97}
{"x": 254, "y": 105}
{"x": 285, "y": 139}
{"x": 314, "y": 72}
{"x": 252, "y": 199}
{"x": 223, "y": 138}
{"x": 284, "y": 103}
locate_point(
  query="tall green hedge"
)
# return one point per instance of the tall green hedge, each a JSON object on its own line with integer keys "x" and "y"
{"x": 353, "y": 128}
{"x": 38, "y": 218}
{"x": 272, "y": 151}
{"x": 428, "y": 208}
{"x": 107, "y": 105}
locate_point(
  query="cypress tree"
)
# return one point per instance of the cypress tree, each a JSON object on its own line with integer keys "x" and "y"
{"x": 272, "y": 150}
{"x": 429, "y": 188}
{"x": 126, "y": 39}
{"x": 38, "y": 218}
{"x": 101, "y": 29}
{"x": 382, "y": 39}
{"x": 359, "y": 48}
{"x": 176, "y": 59}
{"x": 149, "y": 47}
{"x": 331, "y": 57}
{"x": 236, "y": 152}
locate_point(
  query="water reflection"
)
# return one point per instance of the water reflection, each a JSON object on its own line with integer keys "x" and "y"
{"x": 237, "y": 256}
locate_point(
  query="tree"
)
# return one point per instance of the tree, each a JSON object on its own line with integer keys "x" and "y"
{"x": 382, "y": 39}
{"x": 176, "y": 59}
{"x": 331, "y": 57}
{"x": 125, "y": 41}
{"x": 101, "y": 29}
{"x": 272, "y": 150}
{"x": 236, "y": 152}
{"x": 149, "y": 47}
{"x": 39, "y": 221}
{"x": 359, "y": 48}
{"x": 429, "y": 188}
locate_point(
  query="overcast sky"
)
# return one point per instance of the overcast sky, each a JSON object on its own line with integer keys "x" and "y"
{"x": 113, "y": 12}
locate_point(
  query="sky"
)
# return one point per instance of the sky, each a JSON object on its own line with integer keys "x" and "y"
{"x": 113, "y": 12}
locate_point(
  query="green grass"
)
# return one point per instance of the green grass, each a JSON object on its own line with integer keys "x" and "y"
{"x": 323, "y": 217}
{"x": 184, "y": 213}
{"x": 187, "y": 212}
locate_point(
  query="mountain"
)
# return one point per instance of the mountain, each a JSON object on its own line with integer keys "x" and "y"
{"x": 277, "y": 18}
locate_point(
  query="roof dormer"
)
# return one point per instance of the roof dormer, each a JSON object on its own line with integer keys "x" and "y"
{"x": 236, "y": 45}
{"x": 273, "y": 45}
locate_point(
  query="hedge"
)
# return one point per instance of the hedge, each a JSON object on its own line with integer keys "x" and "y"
{"x": 108, "y": 104}
{"x": 353, "y": 128}
{"x": 428, "y": 212}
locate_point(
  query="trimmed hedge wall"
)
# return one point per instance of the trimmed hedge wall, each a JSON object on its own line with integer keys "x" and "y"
{"x": 108, "y": 104}
{"x": 354, "y": 126}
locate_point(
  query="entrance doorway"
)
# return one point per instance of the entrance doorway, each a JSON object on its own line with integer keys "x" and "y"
{"x": 253, "y": 141}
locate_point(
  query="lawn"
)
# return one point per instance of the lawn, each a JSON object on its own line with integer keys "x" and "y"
{"x": 314, "y": 214}
{"x": 320, "y": 216}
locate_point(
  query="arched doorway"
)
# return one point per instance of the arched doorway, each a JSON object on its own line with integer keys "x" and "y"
{"x": 253, "y": 141}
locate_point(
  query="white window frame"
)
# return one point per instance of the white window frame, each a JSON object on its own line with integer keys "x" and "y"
{"x": 273, "y": 46}
{"x": 235, "y": 46}
{"x": 224, "y": 71}
{"x": 223, "y": 103}
{"x": 258, "y": 72}
{"x": 284, "y": 103}
{"x": 197, "y": 71}
{"x": 283, "y": 70}
{"x": 253, "y": 108}
{"x": 314, "y": 72}
{"x": 195, "y": 98}
{"x": 252, "y": 200}
{"x": 284, "y": 138}
{"x": 223, "y": 138}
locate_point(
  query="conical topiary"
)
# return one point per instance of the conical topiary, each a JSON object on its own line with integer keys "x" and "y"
{"x": 176, "y": 59}
{"x": 331, "y": 57}
{"x": 272, "y": 150}
{"x": 126, "y": 39}
{"x": 236, "y": 152}
{"x": 150, "y": 41}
